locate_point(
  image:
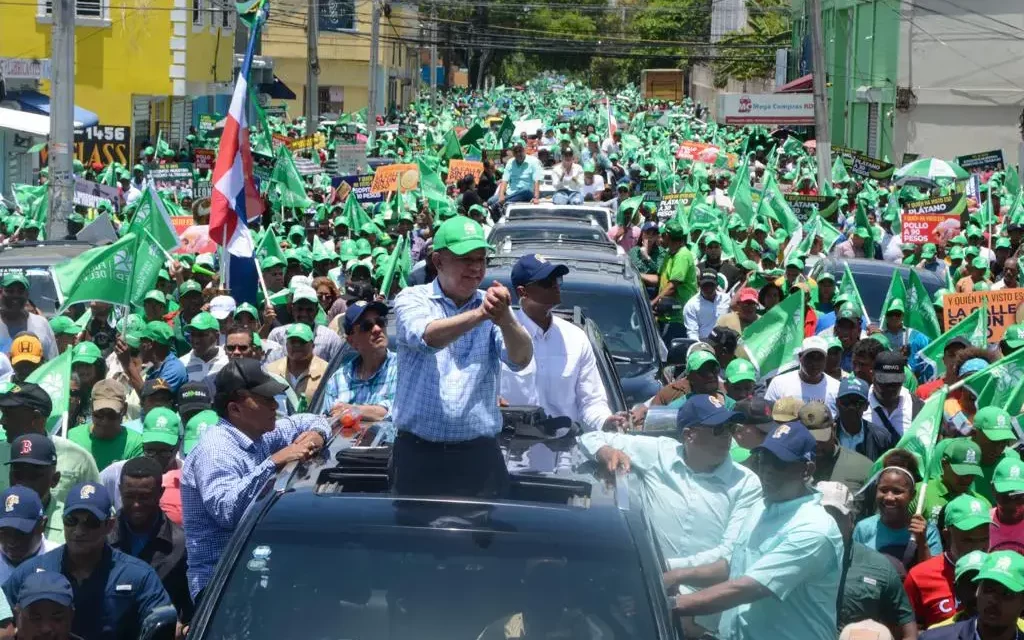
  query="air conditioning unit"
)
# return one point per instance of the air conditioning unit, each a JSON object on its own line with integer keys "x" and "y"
{"x": 905, "y": 98}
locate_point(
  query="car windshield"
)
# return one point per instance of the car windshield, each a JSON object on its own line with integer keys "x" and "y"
{"x": 615, "y": 313}
{"x": 41, "y": 289}
{"x": 430, "y": 583}
{"x": 873, "y": 288}
{"x": 526, "y": 213}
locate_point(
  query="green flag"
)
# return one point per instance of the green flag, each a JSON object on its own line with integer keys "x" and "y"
{"x": 974, "y": 327}
{"x": 773, "y": 340}
{"x": 392, "y": 267}
{"x": 152, "y": 220}
{"x": 994, "y": 384}
{"x": 354, "y": 213}
{"x": 431, "y": 186}
{"x": 289, "y": 189}
{"x": 475, "y": 133}
{"x": 897, "y": 291}
{"x": 742, "y": 201}
{"x": 505, "y": 132}
{"x": 148, "y": 261}
{"x": 101, "y": 273}
{"x": 922, "y": 434}
{"x": 839, "y": 173}
{"x": 55, "y": 378}
{"x": 269, "y": 246}
{"x": 451, "y": 150}
{"x": 848, "y": 288}
{"x": 778, "y": 208}
{"x": 920, "y": 310}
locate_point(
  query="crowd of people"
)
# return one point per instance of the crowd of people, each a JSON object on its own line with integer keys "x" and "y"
{"x": 864, "y": 486}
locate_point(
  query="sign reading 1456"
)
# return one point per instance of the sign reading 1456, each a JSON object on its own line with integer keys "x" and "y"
{"x": 106, "y": 134}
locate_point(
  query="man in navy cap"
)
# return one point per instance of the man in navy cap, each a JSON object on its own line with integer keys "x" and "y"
{"x": 45, "y": 607}
{"x": 367, "y": 382}
{"x": 33, "y": 465}
{"x": 563, "y": 378}
{"x": 852, "y": 430}
{"x": 697, "y": 497}
{"x": 117, "y": 590}
{"x": 784, "y": 581}
{"x": 21, "y": 529}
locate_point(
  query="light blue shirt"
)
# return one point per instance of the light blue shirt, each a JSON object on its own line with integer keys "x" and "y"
{"x": 448, "y": 394}
{"x": 794, "y": 549}
{"x": 698, "y": 517}
{"x": 848, "y": 441}
{"x": 874, "y": 534}
{"x": 520, "y": 177}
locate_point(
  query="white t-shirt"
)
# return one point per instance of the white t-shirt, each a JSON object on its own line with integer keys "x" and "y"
{"x": 790, "y": 385}
{"x": 595, "y": 187}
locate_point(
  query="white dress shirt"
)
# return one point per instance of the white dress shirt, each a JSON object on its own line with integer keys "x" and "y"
{"x": 562, "y": 378}
{"x": 701, "y": 314}
{"x": 900, "y": 418}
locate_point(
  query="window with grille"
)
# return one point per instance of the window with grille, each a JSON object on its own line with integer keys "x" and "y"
{"x": 197, "y": 13}
{"x": 83, "y": 8}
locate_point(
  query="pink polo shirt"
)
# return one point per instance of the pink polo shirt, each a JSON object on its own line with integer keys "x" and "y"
{"x": 1012, "y": 535}
{"x": 170, "y": 502}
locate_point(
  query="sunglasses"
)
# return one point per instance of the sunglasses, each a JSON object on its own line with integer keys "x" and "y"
{"x": 549, "y": 282}
{"x": 237, "y": 348}
{"x": 723, "y": 429}
{"x": 89, "y": 522}
{"x": 367, "y": 324}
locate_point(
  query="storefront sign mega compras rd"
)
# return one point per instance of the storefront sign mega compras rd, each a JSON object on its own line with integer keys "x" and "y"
{"x": 766, "y": 108}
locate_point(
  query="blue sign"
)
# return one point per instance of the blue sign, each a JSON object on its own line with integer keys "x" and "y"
{"x": 337, "y": 15}
{"x": 439, "y": 72}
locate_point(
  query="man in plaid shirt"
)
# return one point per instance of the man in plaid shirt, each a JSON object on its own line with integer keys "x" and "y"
{"x": 367, "y": 383}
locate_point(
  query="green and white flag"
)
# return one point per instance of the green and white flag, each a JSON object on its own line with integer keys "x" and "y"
{"x": 897, "y": 291}
{"x": 151, "y": 216}
{"x": 773, "y": 340}
{"x": 920, "y": 311}
{"x": 101, "y": 273}
{"x": 922, "y": 435}
{"x": 974, "y": 327}
{"x": 995, "y": 384}
{"x": 55, "y": 378}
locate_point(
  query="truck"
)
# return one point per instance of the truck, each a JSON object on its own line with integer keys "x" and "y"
{"x": 663, "y": 84}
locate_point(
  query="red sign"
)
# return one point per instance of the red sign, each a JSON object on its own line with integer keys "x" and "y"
{"x": 701, "y": 152}
{"x": 205, "y": 159}
{"x": 195, "y": 238}
{"x": 920, "y": 228}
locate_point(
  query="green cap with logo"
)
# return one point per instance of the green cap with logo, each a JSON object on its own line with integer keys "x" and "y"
{"x": 161, "y": 425}
{"x": 204, "y": 321}
{"x": 14, "y": 278}
{"x": 848, "y": 311}
{"x": 963, "y": 456}
{"x": 1008, "y": 476}
{"x": 158, "y": 332}
{"x": 740, "y": 370}
{"x": 698, "y": 358}
{"x": 994, "y": 423}
{"x": 1014, "y": 336}
{"x": 460, "y": 235}
{"x": 63, "y": 325}
{"x": 190, "y": 286}
{"x": 195, "y": 427}
{"x": 966, "y": 512}
{"x": 86, "y": 353}
{"x": 270, "y": 262}
{"x": 973, "y": 561}
{"x": 1004, "y": 567}
{"x": 245, "y": 307}
{"x": 299, "y": 330}
{"x": 156, "y": 296}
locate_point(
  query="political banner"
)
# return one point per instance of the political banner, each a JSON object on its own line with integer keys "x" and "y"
{"x": 701, "y": 152}
{"x": 315, "y": 141}
{"x": 208, "y": 122}
{"x": 205, "y": 159}
{"x": 669, "y": 202}
{"x": 804, "y": 206}
{"x": 358, "y": 184}
{"x": 393, "y": 176}
{"x": 262, "y": 166}
{"x": 351, "y": 158}
{"x": 280, "y": 111}
{"x": 908, "y": 158}
{"x": 177, "y": 176}
{"x": 280, "y": 140}
{"x": 195, "y": 238}
{"x": 202, "y": 189}
{"x": 91, "y": 194}
{"x": 459, "y": 168}
{"x": 933, "y": 219}
{"x": 1002, "y": 309}
{"x": 863, "y": 165}
{"x": 984, "y": 162}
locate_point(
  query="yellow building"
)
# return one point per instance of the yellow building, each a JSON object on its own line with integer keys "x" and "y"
{"x": 140, "y": 65}
{"x": 344, "y": 51}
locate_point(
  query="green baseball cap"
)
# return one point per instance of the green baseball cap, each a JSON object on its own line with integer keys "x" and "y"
{"x": 848, "y": 311}
{"x": 86, "y": 353}
{"x": 1003, "y": 243}
{"x": 966, "y": 512}
{"x": 928, "y": 251}
{"x": 956, "y": 253}
{"x": 299, "y": 330}
{"x": 156, "y": 296}
{"x": 796, "y": 263}
{"x": 270, "y": 262}
{"x": 163, "y": 275}
{"x": 895, "y": 305}
{"x": 190, "y": 286}
{"x": 245, "y": 307}
{"x": 1004, "y": 567}
{"x": 963, "y": 455}
{"x": 14, "y": 278}
{"x": 980, "y": 263}
{"x": 161, "y": 425}
{"x": 63, "y": 325}
{"x": 204, "y": 321}
{"x": 1008, "y": 475}
{"x": 195, "y": 427}
{"x": 698, "y": 359}
{"x": 973, "y": 561}
{"x": 158, "y": 332}
{"x": 833, "y": 343}
{"x": 674, "y": 230}
{"x": 460, "y": 235}
{"x": 825, "y": 275}
{"x": 994, "y": 422}
{"x": 740, "y": 370}
{"x": 1014, "y": 336}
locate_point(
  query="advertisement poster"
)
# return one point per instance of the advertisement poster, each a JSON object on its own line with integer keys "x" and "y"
{"x": 863, "y": 165}
{"x": 360, "y": 184}
{"x": 459, "y": 168}
{"x": 390, "y": 177}
{"x": 1002, "y": 309}
{"x": 933, "y": 220}
{"x": 100, "y": 143}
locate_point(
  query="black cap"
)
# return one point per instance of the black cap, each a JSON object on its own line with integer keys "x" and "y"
{"x": 35, "y": 449}
{"x": 889, "y": 368}
{"x": 26, "y": 394}
{"x": 723, "y": 337}
{"x": 154, "y": 385}
{"x": 246, "y": 374}
{"x": 709, "y": 275}
{"x": 958, "y": 341}
{"x": 193, "y": 397}
{"x": 757, "y": 412}
{"x": 357, "y": 291}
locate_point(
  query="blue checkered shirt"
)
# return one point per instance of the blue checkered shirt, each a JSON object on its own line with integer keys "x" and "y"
{"x": 221, "y": 478}
{"x": 346, "y": 386}
{"x": 449, "y": 394}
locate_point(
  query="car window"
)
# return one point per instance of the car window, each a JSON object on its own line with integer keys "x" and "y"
{"x": 42, "y": 290}
{"x": 518, "y": 234}
{"x": 410, "y": 583}
{"x": 873, "y": 288}
{"x": 616, "y": 315}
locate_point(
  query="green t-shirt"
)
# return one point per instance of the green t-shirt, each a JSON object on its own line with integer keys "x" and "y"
{"x": 936, "y": 495}
{"x": 873, "y": 591}
{"x": 126, "y": 445}
{"x": 682, "y": 270}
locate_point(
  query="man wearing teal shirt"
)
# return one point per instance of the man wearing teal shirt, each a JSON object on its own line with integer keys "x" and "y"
{"x": 783, "y": 581}
{"x": 520, "y": 181}
{"x": 697, "y": 498}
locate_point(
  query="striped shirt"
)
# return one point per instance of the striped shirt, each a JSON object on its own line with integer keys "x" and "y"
{"x": 346, "y": 385}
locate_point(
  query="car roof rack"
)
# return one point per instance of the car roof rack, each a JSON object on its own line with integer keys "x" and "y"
{"x": 589, "y": 264}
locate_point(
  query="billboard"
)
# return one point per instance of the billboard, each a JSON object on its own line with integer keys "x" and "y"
{"x": 795, "y": 109}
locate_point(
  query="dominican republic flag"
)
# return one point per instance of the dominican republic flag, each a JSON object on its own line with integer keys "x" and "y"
{"x": 235, "y": 200}
{"x": 613, "y": 126}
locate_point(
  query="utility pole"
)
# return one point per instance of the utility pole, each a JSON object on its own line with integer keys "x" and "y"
{"x": 313, "y": 71}
{"x": 433, "y": 55}
{"x": 62, "y": 120}
{"x": 371, "y": 107}
{"x": 823, "y": 136}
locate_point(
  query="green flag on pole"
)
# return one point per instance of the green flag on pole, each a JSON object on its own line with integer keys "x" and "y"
{"x": 920, "y": 310}
{"x": 974, "y": 327}
{"x": 742, "y": 200}
{"x": 897, "y": 291}
{"x": 269, "y": 246}
{"x": 922, "y": 434}
{"x": 994, "y": 385}
{"x": 55, "y": 378}
{"x": 101, "y": 273}
{"x": 772, "y": 340}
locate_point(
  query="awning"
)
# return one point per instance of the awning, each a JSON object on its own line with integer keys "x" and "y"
{"x": 277, "y": 90}
{"x": 803, "y": 84}
{"x": 25, "y": 122}
{"x": 39, "y": 103}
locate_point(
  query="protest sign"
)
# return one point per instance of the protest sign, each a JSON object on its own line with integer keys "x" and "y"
{"x": 863, "y": 165}
{"x": 351, "y": 158}
{"x": 314, "y": 141}
{"x": 175, "y": 176}
{"x": 459, "y": 168}
{"x": 933, "y": 219}
{"x": 358, "y": 184}
{"x": 280, "y": 140}
{"x": 701, "y": 152}
{"x": 91, "y": 194}
{"x": 804, "y": 206}
{"x": 262, "y": 166}
{"x": 984, "y": 162}
{"x": 202, "y": 189}
{"x": 669, "y": 202}
{"x": 280, "y": 111}
{"x": 205, "y": 159}
{"x": 1002, "y": 309}
{"x": 208, "y": 122}
{"x": 393, "y": 176}
{"x": 195, "y": 238}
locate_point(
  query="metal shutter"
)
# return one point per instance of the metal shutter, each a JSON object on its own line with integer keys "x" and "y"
{"x": 873, "y": 118}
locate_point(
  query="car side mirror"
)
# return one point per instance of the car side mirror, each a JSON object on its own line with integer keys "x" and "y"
{"x": 160, "y": 624}
{"x": 677, "y": 351}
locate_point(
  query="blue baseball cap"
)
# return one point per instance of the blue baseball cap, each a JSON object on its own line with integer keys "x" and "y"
{"x": 21, "y": 509}
{"x": 853, "y": 386}
{"x": 91, "y": 497}
{"x": 705, "y": 411}
{"x": 533, "y": 268}
{"x": 356, "y": 310}
{"x": 973, "y": 365}
{"x": 45, "y": 585}
{"x": 790, "y": 442}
